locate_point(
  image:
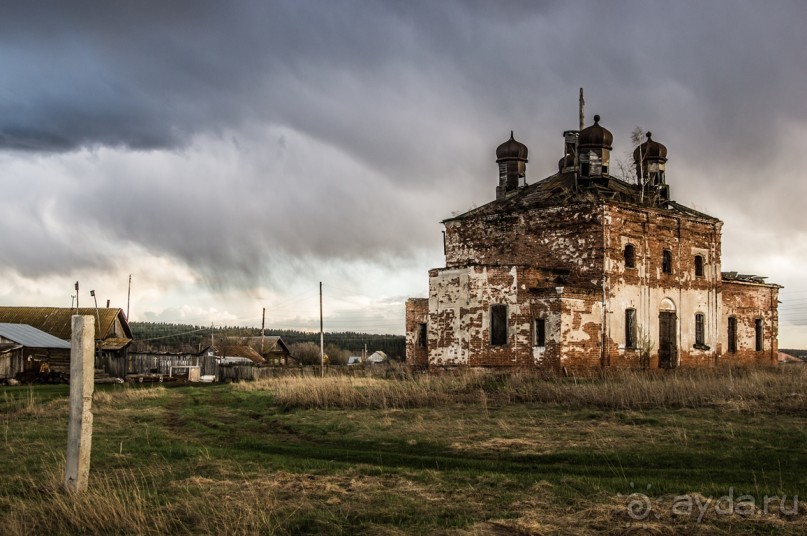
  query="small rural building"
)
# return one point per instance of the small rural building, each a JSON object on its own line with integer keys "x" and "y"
{"x": 150, "y": 362}
{"x": 112, "y": 332}
{"x": 584, "y": 269}
{"x": 26, "y": 351}
{"x": 377, "y": 357}
{"x": 275, "y": 351}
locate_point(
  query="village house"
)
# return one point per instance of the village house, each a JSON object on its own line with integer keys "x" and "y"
{"x": 583, "y": 269}
{"x": 28, "y": 353}
{"x": 112, "y": 332}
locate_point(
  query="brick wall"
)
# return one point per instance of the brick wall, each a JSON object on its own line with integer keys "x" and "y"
{"x": 417, "y": 313}
{"x": 748, "y": 302}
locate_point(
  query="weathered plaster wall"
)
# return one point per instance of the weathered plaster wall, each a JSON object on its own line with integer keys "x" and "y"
{"x": 567, "y": 266}
{"x": 565, "y": 238}
{"x": 648, "y": 290}
{"x": 746, "y": 302}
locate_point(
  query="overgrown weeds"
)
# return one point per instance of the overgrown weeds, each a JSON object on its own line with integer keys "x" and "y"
{"x": 741, "y": 389}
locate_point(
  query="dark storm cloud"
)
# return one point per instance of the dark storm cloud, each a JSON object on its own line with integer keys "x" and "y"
{"x": 410, "y": 98}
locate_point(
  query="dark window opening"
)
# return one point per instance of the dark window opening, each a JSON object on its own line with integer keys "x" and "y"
{"x": 698, "y": 266}
{"x": 700, "y": 340}
{"x": 540, "y": 332}
{"x": 605, "y": 170}
{"x": 630, "y": 256}
{"x": 666, "y": 262}
{"x": 759, "y": 333}
{"x": 630, "y": 328}
{"x": 423, "y": 337}
{"x": 732, "y": 335}
{"x": 498, "y": 325}
{"x": 584, "y": 169}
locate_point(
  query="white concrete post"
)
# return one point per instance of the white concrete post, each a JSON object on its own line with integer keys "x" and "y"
{"x": 79, "y": 428}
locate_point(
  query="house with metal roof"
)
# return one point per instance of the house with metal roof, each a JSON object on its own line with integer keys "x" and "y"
{"x": 112, "y": 332}
{"x": 26, "y": 350}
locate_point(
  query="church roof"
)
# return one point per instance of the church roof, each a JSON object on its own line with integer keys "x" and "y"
{"x": 560, "y": 190}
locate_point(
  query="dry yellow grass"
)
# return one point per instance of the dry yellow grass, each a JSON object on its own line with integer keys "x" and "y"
{"x": 741, "y": 389}
{"x": 125, "y": 394}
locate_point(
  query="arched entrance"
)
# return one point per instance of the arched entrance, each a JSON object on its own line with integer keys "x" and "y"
{"x": 667, "y": 335}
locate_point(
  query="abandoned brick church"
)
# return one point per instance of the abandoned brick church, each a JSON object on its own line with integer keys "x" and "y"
{"x": 583, "y": 269}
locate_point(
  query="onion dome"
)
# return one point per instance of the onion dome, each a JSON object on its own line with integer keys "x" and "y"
{"x": 511, "y": 150}
{"x": 596, "y": 136}
{"x": 650, "y": 150}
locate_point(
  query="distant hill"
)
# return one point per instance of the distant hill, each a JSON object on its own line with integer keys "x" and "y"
{"x": 167, "y": 337}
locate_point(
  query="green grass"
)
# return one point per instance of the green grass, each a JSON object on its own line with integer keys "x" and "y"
{"x": 219, "y": 459}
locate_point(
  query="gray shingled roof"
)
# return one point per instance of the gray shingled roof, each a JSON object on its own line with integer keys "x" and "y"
{"x": 560, "y": 189}
{"x": 30, "y": 336}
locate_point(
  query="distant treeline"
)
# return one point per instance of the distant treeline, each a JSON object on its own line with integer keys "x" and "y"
{"x": 165, "y": 337}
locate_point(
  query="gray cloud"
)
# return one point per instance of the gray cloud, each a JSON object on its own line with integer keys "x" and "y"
{"x": 231, "y": 135}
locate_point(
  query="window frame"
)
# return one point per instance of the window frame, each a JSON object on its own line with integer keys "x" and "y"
{"x": 629, "y": 254}
{"x": 759, "y": 335}
{"x": 731, "y": 328}
{"x": 666, "y": 262}
{"x": 699, "y": 266}
{"x": 700, "y": 330}
{"x": 423, "y": 335}
{"x": 498, "y": 315}
{"x": 539, "y": 332}
{"x": 631, "y": 341}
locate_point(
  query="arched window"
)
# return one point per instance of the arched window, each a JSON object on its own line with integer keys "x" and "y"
{"x": 630, "y": 256}
{"x": 698, "y": 266}
{"x": 699, "y": 331}
{"x": 732, "y": 346}
{"x": 666, "y": 261}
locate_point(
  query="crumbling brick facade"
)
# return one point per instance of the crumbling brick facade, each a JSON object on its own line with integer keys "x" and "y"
{"x": 584, "y": 270}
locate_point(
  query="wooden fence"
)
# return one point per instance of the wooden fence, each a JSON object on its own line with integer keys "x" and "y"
{"x": 141, "y": 363}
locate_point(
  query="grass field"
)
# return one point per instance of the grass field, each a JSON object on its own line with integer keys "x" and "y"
{"x": 467, "y": 454}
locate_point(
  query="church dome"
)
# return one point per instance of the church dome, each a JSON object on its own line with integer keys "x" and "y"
{"x": 650, "y": 150}
{"x": 511, "y": 150}
{"x": 596, "y": 136}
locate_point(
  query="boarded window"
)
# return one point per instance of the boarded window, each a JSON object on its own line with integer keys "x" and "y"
{"x": 759, "y": 334}
{"x": 630, "y": 328}
{"x": 540, "y": 332}
{"x": 666, "y": 262}
{"x": 423, "y": 336}
{"x": 732, "y": 346}
{"x": 498, "y": 325}
{"x": 698, "y": 266}
{"x": 630, "y": 256}
{"x": 699, "y": 331}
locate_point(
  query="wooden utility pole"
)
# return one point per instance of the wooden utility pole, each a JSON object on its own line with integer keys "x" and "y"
{"x": 128, "y": 297}
{"x": 76, "y": 295}
{"x": 79, "y": 427}
{"x": 321, "y": 336}
{"x": 263, "y": 328}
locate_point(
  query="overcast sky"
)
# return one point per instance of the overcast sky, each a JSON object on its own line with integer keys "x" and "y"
{"x": 231, "y": 155}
